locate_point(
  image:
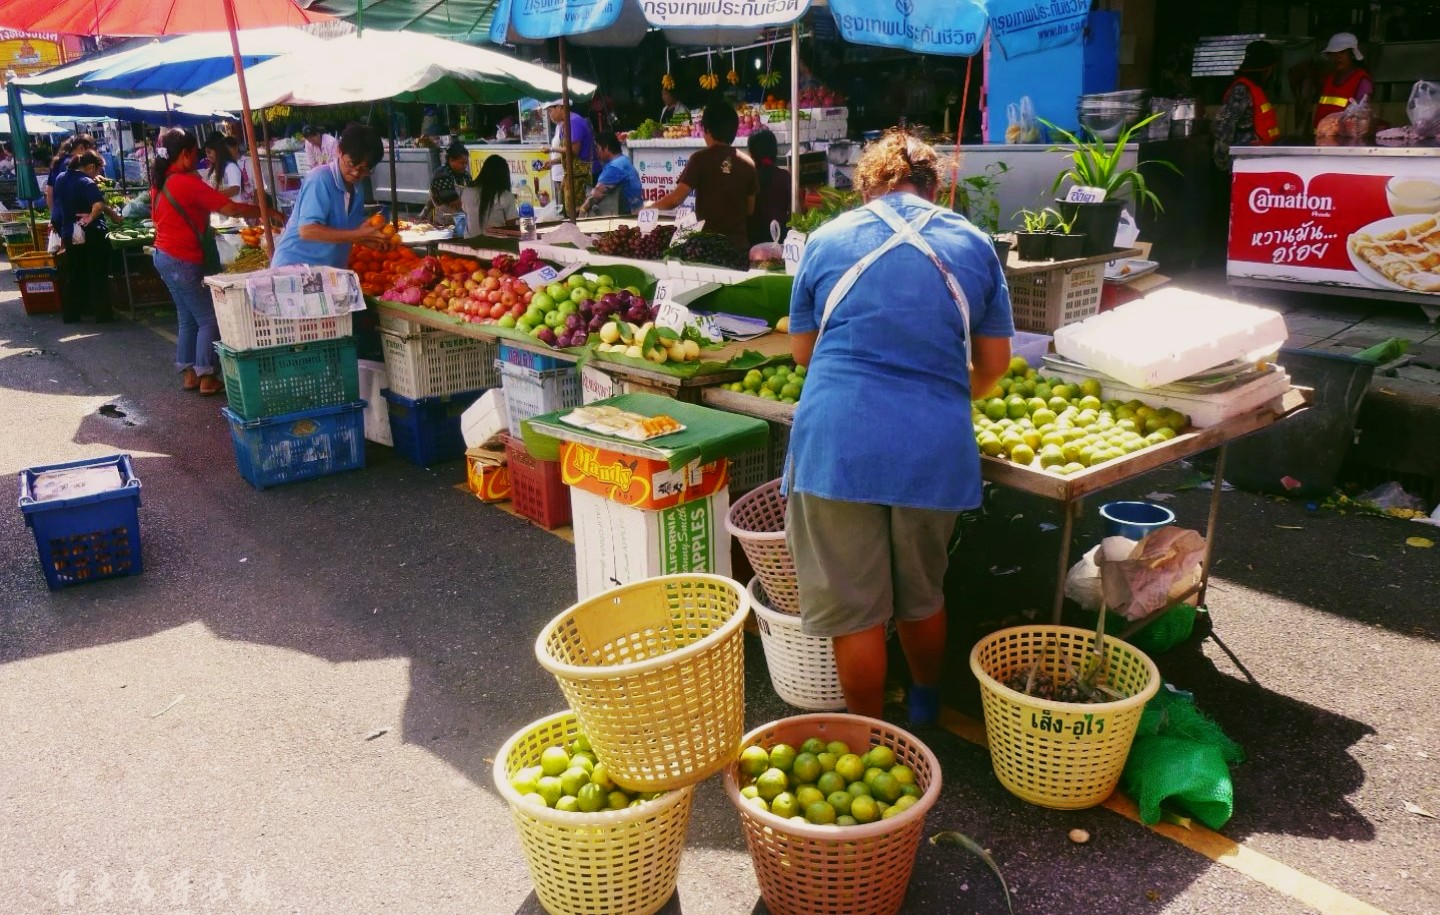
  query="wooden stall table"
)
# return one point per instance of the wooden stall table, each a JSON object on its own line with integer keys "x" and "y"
{"x": 1071, "y": 491}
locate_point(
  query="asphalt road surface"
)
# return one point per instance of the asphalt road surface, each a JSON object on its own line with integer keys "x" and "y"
{"x": 295, "y": 708}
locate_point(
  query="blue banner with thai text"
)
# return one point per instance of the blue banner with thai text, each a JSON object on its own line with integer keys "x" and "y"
{"x": 951, "y": 27}
{"x": 556, "y": 18}
{"x": 1022, "y": 27}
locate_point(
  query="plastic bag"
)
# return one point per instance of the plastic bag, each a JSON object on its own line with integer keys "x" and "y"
{"x": 1392, "y": 495}
{"x": 767, "y": 256}
{"x": 1155, "y": 574}
{"x": 1082, "y": 583}
{"x": 1423, "y": 108}
{"x": 53, "y": 243}
{"x": 1022, "y": 122}
{"x": 1356, "y": 120}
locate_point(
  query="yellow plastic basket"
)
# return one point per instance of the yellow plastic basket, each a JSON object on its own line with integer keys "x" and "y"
{"x": 805, "y": 869}
{"x": 622, "y": 862}
{"x": 1063, "y": 755}
{"x": 655, "y": 672}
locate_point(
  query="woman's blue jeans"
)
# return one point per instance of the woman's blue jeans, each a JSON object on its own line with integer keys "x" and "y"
{"x": 194, "y": 310}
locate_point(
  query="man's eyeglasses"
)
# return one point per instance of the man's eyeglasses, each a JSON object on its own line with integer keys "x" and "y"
{"x": 360, "y": 171}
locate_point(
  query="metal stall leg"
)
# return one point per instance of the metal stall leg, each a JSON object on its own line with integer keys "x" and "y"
{"x": 1067, "y": 530}
{"x": 1219, "y": 483}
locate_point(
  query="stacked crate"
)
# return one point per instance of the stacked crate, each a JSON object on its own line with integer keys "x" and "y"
{"x": 293, "y": 386}
{"x": 535, "y": 383}
{"x": 433, "y": 376}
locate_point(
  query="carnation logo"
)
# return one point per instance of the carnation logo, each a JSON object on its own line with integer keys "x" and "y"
{"x": 1289, "y": 197}
{"x": 905, "y": 7}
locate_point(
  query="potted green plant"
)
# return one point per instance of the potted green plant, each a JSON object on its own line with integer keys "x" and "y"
{"x": 977, "y": 198}
{"x": 1065, "y": 242}
{"x": 1096, "y": 163}
{"x": 1033, "y": 239}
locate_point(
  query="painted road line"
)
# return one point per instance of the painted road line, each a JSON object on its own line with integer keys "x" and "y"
{"x": 1282, "y": 878}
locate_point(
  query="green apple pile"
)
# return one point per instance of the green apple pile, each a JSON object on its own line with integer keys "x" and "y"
{"x": 784, "y": 383}
{"x": 1064, "y": 427}
{"x": 570, "y": 779}
{"x": 826, "y": 784}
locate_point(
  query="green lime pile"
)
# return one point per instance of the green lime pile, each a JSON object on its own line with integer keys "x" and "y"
{"x": 784, "y": 383}
{"x": 570, "y": 778}
{"x": 1064, "y": 427}
{"x": 826, "y": 784}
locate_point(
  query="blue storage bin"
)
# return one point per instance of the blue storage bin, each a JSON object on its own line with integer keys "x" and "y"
{"x": 427, "y": 430}
{"x": 298, "y": 446}
{"x": 527, "y": 359}
{"x": 87, "y": 537}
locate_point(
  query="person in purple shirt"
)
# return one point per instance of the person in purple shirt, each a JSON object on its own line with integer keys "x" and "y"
{"x": 582, "y": 148}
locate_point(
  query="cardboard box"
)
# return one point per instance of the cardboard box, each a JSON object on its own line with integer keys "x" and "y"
{"x": 639, "y": 482}
{"x": 1117, "y": 294}
{"x": 616, "y": 545}
{"x": 488, "y": 473}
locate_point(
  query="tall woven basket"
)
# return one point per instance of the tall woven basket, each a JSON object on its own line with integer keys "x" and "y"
{"x": 655, "y": 672}
{"x": 757, "y": 520}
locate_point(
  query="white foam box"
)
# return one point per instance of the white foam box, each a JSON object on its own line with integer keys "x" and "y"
{"x": 1169, "y": 335}
{"x": 616, "y": 545}
{"x": 484, "y": 419}
{"x": 1203, "y": 409}
{"x": 373, "y": 380}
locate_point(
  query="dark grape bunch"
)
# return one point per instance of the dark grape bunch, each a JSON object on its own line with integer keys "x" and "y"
{"x": 627, "y": 241}
{"x": 710, "y": 248}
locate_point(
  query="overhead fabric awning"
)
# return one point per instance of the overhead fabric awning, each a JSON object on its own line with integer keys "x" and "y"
{"x": 380, "y": 66}
{"x": 65, "y": 80}
{"x": 459, "y": 20}
{"x": 152, "y": 110}
{"x": 189, "y": 62}
{"x": 150, "y": 17}
{"x": 34, "y": 124}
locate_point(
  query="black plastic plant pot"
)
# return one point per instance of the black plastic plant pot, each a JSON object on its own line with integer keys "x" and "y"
{"x": 1034, "y": 246}
{"x": 1002, "y": 248}
{"x": 1067, "y": 247}
{"x": 1098, "y": 222}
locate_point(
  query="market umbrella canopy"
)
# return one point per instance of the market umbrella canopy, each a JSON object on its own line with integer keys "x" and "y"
{"x": 189, "y": 62}
{"x": 155, "y": 109}
{"x": 378, "y": 65}
{"x": 622, "y": 23}
{"x": 461, "y": 20}
{"x": 65, "y": 80}
{"x": 34, "y": 123}
{"x": 151, "y": 17}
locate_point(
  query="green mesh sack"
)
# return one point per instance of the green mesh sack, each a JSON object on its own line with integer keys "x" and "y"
{"x": 1183, "y": 757}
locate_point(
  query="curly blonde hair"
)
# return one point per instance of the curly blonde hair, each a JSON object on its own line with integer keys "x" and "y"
{"x": 897, "y": 158}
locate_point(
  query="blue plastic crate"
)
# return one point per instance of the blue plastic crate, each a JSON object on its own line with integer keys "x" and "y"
{"x": 298, "y": 446}
{"x": 89, "y": 537}
{"x": 530, "y": 360}
{"x": 427, "y": 431}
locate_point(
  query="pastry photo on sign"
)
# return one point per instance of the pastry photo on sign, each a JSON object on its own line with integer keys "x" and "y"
{"x": 1401, "y": 251}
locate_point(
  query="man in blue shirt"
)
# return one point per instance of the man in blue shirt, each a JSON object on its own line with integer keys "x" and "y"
{"x": 618, "y": 177}
{"x": 330, "y": 214}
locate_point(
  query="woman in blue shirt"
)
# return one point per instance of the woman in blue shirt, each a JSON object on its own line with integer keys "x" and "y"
{"x": 80, "y": 202}
{"x": 330, "y": 213}
{"x": 899, "y": 311}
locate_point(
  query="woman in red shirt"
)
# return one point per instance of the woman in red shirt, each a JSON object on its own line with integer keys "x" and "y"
{"x": 181, "y": 204}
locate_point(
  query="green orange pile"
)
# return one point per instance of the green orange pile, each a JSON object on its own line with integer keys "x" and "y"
{"x": 826, "y": 784}
{"x": 1064, "y": 427}
{"x": 570, "y": 779}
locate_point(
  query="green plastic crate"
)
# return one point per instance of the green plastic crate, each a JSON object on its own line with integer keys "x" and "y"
{"x": 274, "y": 380}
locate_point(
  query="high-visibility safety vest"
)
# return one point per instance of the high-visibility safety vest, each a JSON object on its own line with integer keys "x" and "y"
{"x": 1335, "y": 96}
{"x": 1267, "y": 126}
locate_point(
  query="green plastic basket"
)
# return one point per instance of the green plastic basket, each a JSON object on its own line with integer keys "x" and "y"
{"x": 288, "y": 379}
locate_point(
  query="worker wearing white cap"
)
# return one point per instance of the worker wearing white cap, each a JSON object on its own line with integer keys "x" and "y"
{"x": 1347, "y": 81}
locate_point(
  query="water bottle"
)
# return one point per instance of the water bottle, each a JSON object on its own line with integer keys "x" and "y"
{"x": 527, "y": 222}
{"x": 462, "y": 225}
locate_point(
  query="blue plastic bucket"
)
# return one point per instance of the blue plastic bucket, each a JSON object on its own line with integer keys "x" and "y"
{"x": 1134, "y": 519}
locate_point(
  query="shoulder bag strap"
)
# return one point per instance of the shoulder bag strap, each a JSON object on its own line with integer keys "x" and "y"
{"x": 185, "y": 216}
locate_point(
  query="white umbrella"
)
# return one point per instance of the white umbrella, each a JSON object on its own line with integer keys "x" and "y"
{"x": 189, "y": 62}
{"x": 378, "y": 65}
{"x": 34, "y": 124}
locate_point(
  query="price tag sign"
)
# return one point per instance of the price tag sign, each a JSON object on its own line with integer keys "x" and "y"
{"x": 686, "y": 225}
{"x": 1079, "y": 194}
{"x": 539, "y": 279}
{"x": 794, "y": 248}
{"x": 648, "y": 218}
{"x": 673, "y": 316}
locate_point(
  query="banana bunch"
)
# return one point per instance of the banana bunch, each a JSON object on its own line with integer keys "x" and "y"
{"x": 709, "y": 81}
{"x": 667, "y": 81}
{"x": 733, "y": 78}
{"x": 770, "y": 79}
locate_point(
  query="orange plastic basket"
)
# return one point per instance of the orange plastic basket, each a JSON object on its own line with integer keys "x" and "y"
{"x": 1063, "y": 755}
{"x": 655, "y": 671}
{"x": 804, "y": 869}
{"x": 757, "y": 520}
{"x": 622, "y": 862}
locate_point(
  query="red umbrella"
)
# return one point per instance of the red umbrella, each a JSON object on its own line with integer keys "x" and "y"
{"x": 164, "y": 17}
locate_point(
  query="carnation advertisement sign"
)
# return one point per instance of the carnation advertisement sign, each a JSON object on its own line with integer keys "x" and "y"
{"x": 1369, "y": 223}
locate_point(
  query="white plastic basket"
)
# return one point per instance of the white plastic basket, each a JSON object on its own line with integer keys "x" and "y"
{"x": 529, "y": 392}
{"x": 404, "y": 326}
{"x": 757, "y": 520}
{"x": 802, "y": 667}
{"x": 433, "y": 365}
{"x": 242, "y": 329}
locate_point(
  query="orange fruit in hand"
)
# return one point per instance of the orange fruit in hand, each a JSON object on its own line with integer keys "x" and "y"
{"x": 376, "y": 220}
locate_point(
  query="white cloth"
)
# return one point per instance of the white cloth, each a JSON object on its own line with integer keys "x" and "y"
{"x": 328, "y": 151}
